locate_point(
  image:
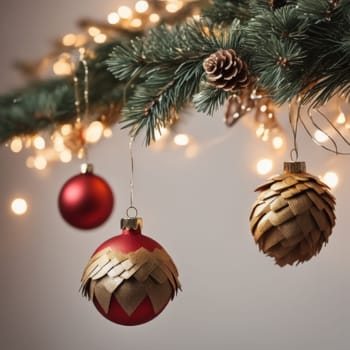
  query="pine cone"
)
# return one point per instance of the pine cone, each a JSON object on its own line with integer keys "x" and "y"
{"x": 225, "y": 70}
{"x": 293, "y": 216}
{"x": 276, "y": 4}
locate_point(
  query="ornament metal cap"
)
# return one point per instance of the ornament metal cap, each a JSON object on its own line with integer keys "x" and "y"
{"x": 294, "y": 167}
{"x": 86, "y": 168}
{"x": 131, "y": 223}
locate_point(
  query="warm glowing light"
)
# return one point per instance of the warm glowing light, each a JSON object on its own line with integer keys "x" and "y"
{"x": 277, "y": 142}
{"x": 264, "y": 166}
{"x": 125, "y": 12}
{"x": 93, "y": 31}
{"x": 62, "y": 67}
{"x": 66, "y": 156}
{"x": 181, "y": 140}
{"x": 196, "y": 17}
{"x": 80, "y": 40}
{"x": 94, "y": 132}
{"x": 100, "y": 38}
{"x": 19, "y": 206}
{"x": 107, "y": 133}
{"x": 341, "y": 118}
{"x": 266, "y": 135}
{"x": 40, "y": 162}
{"x": 263, "y": 108}
{"x": 260, "y": 130}
{"x": 320, "y": 136}
{"x": 141, "y": 6}
{"x": 16, "y": 145}
{"x": 66, "y": 129}
{"x": 331, "y": 179}
{"x": 158, "y": 134}
{"x": 173, "y": 6}
{"x": 30, "y": 162}
{"x": 69, "y": 39}
{"x": 39, "y": 142}
{"x": 136, "y": 22}
{"x": 113, "y": 18}
{"x": 58, "y": 143}
{"x": 154, "y": 18}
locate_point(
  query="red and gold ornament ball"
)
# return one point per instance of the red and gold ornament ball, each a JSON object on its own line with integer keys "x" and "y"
{"x": 130, "y": 278}
{"x": 86, "y": 200}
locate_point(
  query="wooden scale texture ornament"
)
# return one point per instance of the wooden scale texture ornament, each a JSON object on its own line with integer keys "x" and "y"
{"x": 293, "y": 216}
{"x": 130, "y": 278}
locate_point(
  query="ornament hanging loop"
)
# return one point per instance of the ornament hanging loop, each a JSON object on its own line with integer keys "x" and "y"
{"x": 131, "y": 212}
{"x": 294, "y": 115}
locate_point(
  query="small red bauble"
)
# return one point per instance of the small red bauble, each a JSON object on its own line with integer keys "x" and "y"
{"x": 130, "y": 277}
{"x": 86, "y": 200}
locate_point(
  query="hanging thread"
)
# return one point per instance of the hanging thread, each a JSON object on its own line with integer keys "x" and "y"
{"x": 131, "y": 207}
{"x": 294, "y": 115}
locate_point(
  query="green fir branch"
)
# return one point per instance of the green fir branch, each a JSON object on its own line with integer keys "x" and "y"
{"x": 209, "y": 99}
{"x": 225, "y": 11}
{"x": 44, "y": 104}
{"x": 171, "y": 70}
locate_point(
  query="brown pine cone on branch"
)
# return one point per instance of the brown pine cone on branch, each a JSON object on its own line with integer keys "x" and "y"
{"x": 225, "y": 70}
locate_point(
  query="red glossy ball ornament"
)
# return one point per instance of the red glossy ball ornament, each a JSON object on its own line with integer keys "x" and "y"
{"x": 130, "y": 277}
{"x": 86, "y": 200}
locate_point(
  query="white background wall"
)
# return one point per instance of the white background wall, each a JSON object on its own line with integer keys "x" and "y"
{"x": 233, "y": 296}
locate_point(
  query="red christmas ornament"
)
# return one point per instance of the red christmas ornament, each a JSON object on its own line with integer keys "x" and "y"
{"x": 86, "y": 200}
{"x": 130, "y": 277}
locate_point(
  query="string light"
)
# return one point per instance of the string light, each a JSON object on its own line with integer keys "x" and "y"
{"x": 94, "y": 132}
{"x": 264, "y": 166}
{"x": 40, "y": 162}
{"x": 19, "y": 206}
{"x": 320, "y": 136}
{"x": 181, "y": 140}
{"x": 93, "y": 31}
{"x": 16, "y": 145}
{"x": 141, "y": 6}
{"x": 136, "y": 22}
{"x": 173, "y": 6}
{"x": 113, "y": 18}
{"x": 154, "y": 18}
{"x": 107, "y": 133}
{"x": 66, "y": 129}
{"x": 100, "y": 38}
{"x": 260, "y": 130}
{"x": 66, "y": 156}
{"x": 69, "y": 39}
{"x": 277, "y": 142}
{"x": 263, "y": 108}
{"x": 341, "y": 119}
{"x": 39, "y": 142}
{"x": 125, "y": 12}
{"x": 81, "y": 40}
{"x": 62, "y": 67}
{"x": 58, "y": 142}
{"x": 331, "y": 179}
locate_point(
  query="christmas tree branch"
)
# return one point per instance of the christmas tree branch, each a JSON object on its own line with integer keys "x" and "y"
{"x": 286, "y": 48}
{"x": 167, "y": 70}
{"x": 44, "y": 104}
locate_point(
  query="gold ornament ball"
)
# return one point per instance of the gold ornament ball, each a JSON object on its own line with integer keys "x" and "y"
{"x": 293, "y": 216}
